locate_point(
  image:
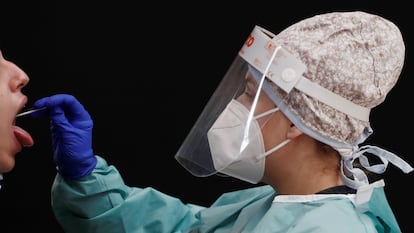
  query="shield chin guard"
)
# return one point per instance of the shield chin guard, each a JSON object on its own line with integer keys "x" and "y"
{"x": 194, "y": 153}
{"x": 277, "y": 66}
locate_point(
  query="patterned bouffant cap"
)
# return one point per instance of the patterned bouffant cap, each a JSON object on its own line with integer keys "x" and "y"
{"x": 356, "y": 55}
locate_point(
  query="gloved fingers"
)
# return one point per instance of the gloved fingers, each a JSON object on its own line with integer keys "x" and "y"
{"x": 41, "y": 103}
{"x": 58, "y": 116}
{"x": 60, "y": 104}
{"x": 55, "y": 112}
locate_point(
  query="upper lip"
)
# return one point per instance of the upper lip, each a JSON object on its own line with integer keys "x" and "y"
{"x": 22, "y": 104}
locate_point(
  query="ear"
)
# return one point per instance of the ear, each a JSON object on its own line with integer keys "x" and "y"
{"x": 293, "y": 132}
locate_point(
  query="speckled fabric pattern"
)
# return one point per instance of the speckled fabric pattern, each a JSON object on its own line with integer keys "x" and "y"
{"x": 356, "y": 55}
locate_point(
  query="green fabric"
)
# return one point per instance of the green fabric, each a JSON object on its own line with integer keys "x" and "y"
{"x": 101, "y": 202}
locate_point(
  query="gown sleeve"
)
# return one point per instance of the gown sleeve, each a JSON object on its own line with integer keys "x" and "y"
{"x": 101, "y": 202}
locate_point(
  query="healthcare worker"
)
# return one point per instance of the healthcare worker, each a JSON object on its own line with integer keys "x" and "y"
{"x": 292, "y": 113}
{"x": 12, "y": 137}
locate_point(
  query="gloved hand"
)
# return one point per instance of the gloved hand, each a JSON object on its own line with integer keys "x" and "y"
{"x": 71, "y": 130}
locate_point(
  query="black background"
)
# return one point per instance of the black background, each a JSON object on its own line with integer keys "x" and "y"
{"x": 145, "y": 72}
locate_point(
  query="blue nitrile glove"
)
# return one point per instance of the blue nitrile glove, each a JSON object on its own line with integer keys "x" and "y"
{"x": 71, "y": 130}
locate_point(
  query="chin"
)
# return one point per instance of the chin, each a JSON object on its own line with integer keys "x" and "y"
{"x": 6, "y": 166}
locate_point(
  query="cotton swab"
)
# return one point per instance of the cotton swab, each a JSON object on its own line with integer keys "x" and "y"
{"x": 30, "y": 111}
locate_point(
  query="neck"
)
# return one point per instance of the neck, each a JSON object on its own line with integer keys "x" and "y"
{"x": 298, "y": 171}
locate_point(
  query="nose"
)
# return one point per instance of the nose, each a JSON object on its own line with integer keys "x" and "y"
{"x": 19, "y": 78}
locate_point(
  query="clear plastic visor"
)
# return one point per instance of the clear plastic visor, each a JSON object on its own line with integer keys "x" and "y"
{"x": 227, "y": 127}
{"x": 242, "y": 90}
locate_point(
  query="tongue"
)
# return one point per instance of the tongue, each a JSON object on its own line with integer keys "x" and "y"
{"x": 23, "y": 136}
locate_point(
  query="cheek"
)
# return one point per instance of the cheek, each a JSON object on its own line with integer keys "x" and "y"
{"x": 273, "y": 133}
{"x": 245, "y": 100}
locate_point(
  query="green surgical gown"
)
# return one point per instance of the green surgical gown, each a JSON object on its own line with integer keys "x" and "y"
{"x": 102, "y": 203}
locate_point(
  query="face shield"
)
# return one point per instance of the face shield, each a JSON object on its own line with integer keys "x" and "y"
{"x": 227, "y": 137}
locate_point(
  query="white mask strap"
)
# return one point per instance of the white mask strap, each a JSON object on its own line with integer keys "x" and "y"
{"x": 270, "y": 111}
{"x": 277, "y": 147}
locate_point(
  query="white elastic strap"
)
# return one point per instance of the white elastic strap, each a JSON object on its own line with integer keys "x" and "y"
{"x": 273, "y": 149}
{"x": 330, "y": 98}
{"x": 270, "y": 111}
